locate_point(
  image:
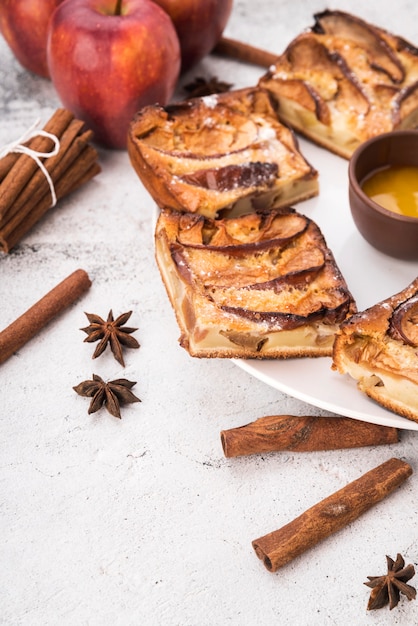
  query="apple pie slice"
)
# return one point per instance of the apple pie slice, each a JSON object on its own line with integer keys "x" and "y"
{"x": 379, "y": 349}
{"x": 259, "y": 285}
{"x": 217, "y": 153}
{"x": 343, "y": 81}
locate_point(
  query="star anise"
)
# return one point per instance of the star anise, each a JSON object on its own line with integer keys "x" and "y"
{"x": 111, "y": 331}
{"x": 200, "y": 87}
{"x": 111, "y": 394}
{"x": 387, "y": 589}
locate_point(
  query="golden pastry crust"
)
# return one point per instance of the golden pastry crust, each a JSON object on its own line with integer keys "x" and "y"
{"x": 224, "y": 152}
{"x": 263, "y": 285}
{"x": 379, "y": 349}
{"x": 344, "y": 81}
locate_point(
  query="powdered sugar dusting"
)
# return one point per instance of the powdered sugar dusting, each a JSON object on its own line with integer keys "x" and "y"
{"x": 210, "y": 101}
{"x": 266, "y": 133}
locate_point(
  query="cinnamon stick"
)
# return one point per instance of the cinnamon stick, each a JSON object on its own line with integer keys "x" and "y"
{"x": 244, "y": 52}
{"x": 304, "y": 434}
{"x": 25, "y": 327}
{"x": 6, "y": 164}
{"x": 279, "y": 547}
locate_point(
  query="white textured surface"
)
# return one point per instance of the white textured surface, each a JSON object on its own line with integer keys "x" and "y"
{"x": 143, "y": 521}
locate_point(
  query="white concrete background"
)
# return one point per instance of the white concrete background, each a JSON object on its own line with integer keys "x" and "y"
{"x": 143, "y": 521}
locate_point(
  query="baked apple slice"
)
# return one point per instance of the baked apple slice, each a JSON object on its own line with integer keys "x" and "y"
{"x": 224, "y": 153}
{"x": 378, "y": 347}
{"x": 344, "y": 81}
{"x": 404, "y": 322}
{"x": 261, "y": 285}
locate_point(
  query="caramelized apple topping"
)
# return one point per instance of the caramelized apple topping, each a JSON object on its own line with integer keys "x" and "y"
{"x": 343, "y": 81}
{"x": 219, "y": 155}
{"x": 233, "y": 176}
{"x": 257, "y": 231}
{"x": 307, "y": 96}
{"x": 258, "y": 285}
{"x": 405, "y": 107}
{"x": 380, "y": 56}
{"x": 404, "y": 322}
{"x": 313, "y": 75}
{"x": 275, "y": 263}
{"x": 333, "y": 312}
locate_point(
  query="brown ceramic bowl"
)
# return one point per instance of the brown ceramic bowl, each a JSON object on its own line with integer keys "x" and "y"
{"x": 389, "y": 232}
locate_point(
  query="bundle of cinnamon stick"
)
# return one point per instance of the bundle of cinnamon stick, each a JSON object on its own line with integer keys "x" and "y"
{"x": 25, "y": 192}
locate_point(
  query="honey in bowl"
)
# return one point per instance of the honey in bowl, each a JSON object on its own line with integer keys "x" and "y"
{"x": 394, "y": 188}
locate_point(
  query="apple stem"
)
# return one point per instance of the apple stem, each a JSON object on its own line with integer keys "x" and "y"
{"x": 118, "y": 7}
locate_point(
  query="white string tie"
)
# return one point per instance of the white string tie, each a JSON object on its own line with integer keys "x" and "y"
{"x": 19, "y": 147}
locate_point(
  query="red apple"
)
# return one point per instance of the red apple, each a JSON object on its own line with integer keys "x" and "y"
{"x": 24, "y": 24}
{"x": 108, "y": 59}
{"x": 199, "y": 25}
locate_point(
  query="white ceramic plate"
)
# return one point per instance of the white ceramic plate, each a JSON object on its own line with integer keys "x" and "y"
{"x": 371, "y": 277}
